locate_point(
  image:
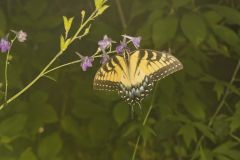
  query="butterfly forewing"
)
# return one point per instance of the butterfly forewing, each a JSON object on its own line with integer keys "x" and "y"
{"x": 108, "y": 77}
{"x": 155, "y": 65}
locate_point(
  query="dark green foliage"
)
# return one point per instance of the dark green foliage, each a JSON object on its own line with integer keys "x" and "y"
{"x": 196, "y": 112}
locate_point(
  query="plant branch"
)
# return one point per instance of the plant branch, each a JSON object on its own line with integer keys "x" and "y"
{"x": 6, "y": 70}
{"x": 45, "y": 70}
{"x": 61, "y": 66}
{"x": 220, "y": 106}
{"x": 32, "y": 82}
{"x": 145, "y": 121}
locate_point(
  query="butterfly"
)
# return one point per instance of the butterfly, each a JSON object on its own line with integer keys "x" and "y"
{"x": 134, "y": 74}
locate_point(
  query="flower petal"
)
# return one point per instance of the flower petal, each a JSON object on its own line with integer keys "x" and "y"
{"x": 4, "y": 45}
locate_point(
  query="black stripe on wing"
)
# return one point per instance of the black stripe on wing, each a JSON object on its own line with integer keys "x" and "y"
{"x": 107, "y": 77}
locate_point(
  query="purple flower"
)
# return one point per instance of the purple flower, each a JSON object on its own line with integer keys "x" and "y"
{"x": 21, "y": 36}
{"x": 105, "y": 58}
{"x": 122, "y": 46}
{"x": 135, "y": 40}
{"x": 105, "y": 42}
{"x": 4, "y": 45}
{"x": 86, "y": 61}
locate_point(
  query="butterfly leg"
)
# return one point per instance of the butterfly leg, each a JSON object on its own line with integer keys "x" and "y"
{"x": 132, "y": 112}
{"x": 140, "y": 106}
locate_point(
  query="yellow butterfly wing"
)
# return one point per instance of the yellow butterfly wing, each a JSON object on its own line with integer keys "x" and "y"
{"x": 111, "y": 74}
{"x": 134, "y": 76}
{"x": 152, "y": 64}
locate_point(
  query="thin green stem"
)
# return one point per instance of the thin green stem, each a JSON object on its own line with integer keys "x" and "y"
{"x": 6, "y": 76}
{"x": 147, "y": 115}
{"x": 235, "y": 137}
{"x": 220, "y": 106}
{"x": 70, "y": 63}
{"x": 61, "y": 66}
{"x": 91, "y": 17}
{"x": 33, "y": 81}
{"x": 45, "y": 70}
{"x": 6, "y": 70}
{"x": 145, "y": 121}
{"x": 135, "y": 148}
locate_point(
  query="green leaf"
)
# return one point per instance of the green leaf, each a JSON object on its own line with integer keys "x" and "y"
{"x": 121, "y": 153}
{"x": 189, "y": 134}
{"x": 164, "y": 30}
{"x": 212, "y": 17}
{"x": 202, "y": 154}
{"x": 102, "y": 9}
{"x": 228, "y": 36}
{"x": 13, "y": 125}
{"x": 194, "y": 28}
{"x": 38, "y": 97}
{"x": 28, "y": 155}
{"x": 231, "y": 14}
{"x": 3, "y": 23}
{"x": 49, "y": 146}
{"x": 212, "y": 42}
{"x": 64, "y": 44}
{"x": 131, "y": 129}
{"x": 221, "y": 126}
{"x": 7, "y": 158}
{"x": 121, "y": 113}
{"x": 146, "y": 133}
{"x": 219, "y": 89}
{"x": 193, "y": 105}
{"x": 235, "y": 119}
{"x": 85, "y": 109}
{"x": 221, "y": 157}
{"x": 67, "y": 23}
{"x": 98, "y": 129}
{"x": 180, "y": 150}
{"x": 180, "y": 3}
{"x": 40, "y": 114}
{"x": 205, "y": 130}
{"x": 228, "y": 149}
{"x": 99, "y": 3}
{"x": 70, "y": 126}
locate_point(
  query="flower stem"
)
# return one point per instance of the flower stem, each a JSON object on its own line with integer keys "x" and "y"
{"x": 145, "y": 121}
{"x": 135, "y": 148}
{"x": 221, "y": 104}
{"x": 45, "y": 70}
{"x": 32, "y": 82}
{"x": 6, "y": 76}
{"x": 61, "y": 66}
{"x": 235, "y": 137}
{"x": 91, "y": 17}
{"x": 6, "y": 70}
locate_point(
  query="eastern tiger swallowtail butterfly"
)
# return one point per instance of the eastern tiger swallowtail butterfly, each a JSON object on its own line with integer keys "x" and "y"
{"x": 133, "y": 74}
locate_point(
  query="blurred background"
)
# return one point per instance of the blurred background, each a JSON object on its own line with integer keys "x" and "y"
{"x": 196, "y": 112}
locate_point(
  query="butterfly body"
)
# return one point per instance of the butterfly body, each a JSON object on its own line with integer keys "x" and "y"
{"x": 133, "y": 74}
